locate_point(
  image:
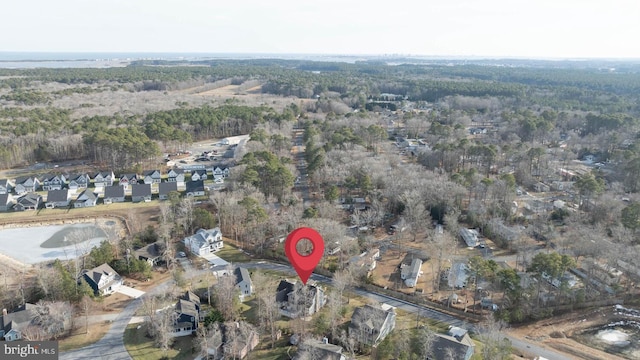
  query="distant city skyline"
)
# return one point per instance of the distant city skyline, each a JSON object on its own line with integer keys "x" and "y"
{"x": 542, "y": 29}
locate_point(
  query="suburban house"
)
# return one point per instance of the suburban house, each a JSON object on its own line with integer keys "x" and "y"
{"x": 455, "y": 345}
{"x": 12, "y": 324}
{"x": 6, "y": 202}
{"x": 165, "y": 188}
{"x": 411, "y": 273}
{"x": 219, "y": 173}
{"x": 140, "y": 192}
{"x": 204, "y": 241}
{"x": 470, "y": 237}
{"x": 103, "y": 178}
{"x": 296, "y": 300}
{"x": 371, "y": 324}
{"x": 113, "y": 194}
{"x": 152, "y": 177}
{"x": 53, "y": 182}
{"x": 26, "y": 184}
{"x": 5, "y": 186}
{"x": 151, "y": 253}
{"x": 235, "y": 345}
{"x": 541, "y": 187}
{"x": 198, "y": 175}
{"x": 30, "y": 201}
{"x": 319, "y": 349}
{"x": 58, "y": 198}
{"x": 195, "y": 188}
{"x": 128, "y": 179}
{"x": 86, "y": 199}
{"x": 79, "y": 182}
{"x": 243, "y": 282}
{"x": 458, "y": 275}
{"x": 176, "y": 175}
{"x": 187, "y": 311}
{"x": 102, "y": 279}
{"x": 367, "y": 260}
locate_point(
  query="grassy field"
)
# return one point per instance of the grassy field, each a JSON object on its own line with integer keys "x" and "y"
{"x": 140, "y": 347}
{"x": 231, "y": 254}
{"x": 79, "y": 338}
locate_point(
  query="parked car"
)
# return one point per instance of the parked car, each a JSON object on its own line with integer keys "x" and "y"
{"x": 182, "y": 254}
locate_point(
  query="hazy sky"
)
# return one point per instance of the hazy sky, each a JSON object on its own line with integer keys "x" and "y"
{"x": 531, "y": 28}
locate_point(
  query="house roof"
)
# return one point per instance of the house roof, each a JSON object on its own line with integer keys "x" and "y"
{"x": 113, "y": 191}
{"x": 97, "y": 273}
{"x": 369, "y": 317}
{"x": 151, "y": 173}
{"x": 104, "y": 174}
{"x": 129, "y": 176}
{"x": 200, "y": 172}
{"x": 195, "y": 186}
{"x": 4, "y": 199}
{"x": 413, "y": 270}
{"x": 191, "y": 297}
{"x": 58, "y": 195}
{"x": 19, "y": 318}
{"x": 24, "y": 179}
{"x": 151, "y": 251}
{"x": 167, "y": 187}
{"x": 50, "y": 177}
{"x": 30, "y": 199}
{"x": 242, "y": 274}
{"x": 459, "y": 345}
{"x": 176, "y": 171}
{"x": 88, "y": 194}
{"x": 77, "y": 177}
{"x": 284, "y": 288}
{"x": 319, "y": 349}
{"x": 140, "y": 190}
{"x": 4, "y": 182}
{"x": 186, "y": 307}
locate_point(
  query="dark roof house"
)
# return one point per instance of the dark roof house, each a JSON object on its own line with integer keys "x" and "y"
{"x": 58, "y": 198}
{"x": 165, "y": 188}
{"x": 103, "y": 279}
{"x": 30, "y": 201}
{"x": 113, "y": 193}
{"x": 12, "y": 324}
{"x": 141, "y": 192}
{"x": 195, "y": 188}
{"x": 371, "y": 324}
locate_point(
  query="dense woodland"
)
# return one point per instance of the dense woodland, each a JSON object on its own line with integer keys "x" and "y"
{"x": 536, "y": 119}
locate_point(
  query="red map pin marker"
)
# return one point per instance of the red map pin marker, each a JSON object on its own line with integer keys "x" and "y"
{"x": 304, "y": 265}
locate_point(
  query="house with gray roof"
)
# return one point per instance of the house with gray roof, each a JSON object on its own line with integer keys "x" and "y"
{"x": 113, "y": 194}
{"x": 141, "y": 192}
{"x": 103, "y": 178}
{"x": 26, "y": 184}
{"x": 243, "y": 282}
{"x": 411, "y": 273}
{"x": 204, "y": 241}
{"x": 469, "y": 236}
{"x": 198, "y": 175}
{"x": 6, "y": 202}
{"x": 58, "y": 199}
{"x": 371, "y": 324}
{"x": 126, "y": 180}
{"x": 53, "y": 182}
{"x": 195, "y": 188}
{"x": 152, "y": 177}
{"x": 102, "y": 279}
{"x": 296, "y": 300}
{"x": 452, "y": 347}
{"x": 151, "y": 253}
{"x": 5, "y": 186}
{"x": 186, "y": 318}
{"x": 30, "y": 201}
{"x": 165, "y": 188}
{"x": 12, "y": 324}
{"x": 313, "y": 349}
{"x": 80, "y": 181}
{"x": 86, "y": 199}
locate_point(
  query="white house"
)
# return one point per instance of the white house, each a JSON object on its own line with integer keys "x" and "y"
{"x": 86, "y": 199}
{"x": 243, "y": 282}
{"x": 103, "y": 279}
{"x": 410, "y": 273}
{"x": 204, "y": 241}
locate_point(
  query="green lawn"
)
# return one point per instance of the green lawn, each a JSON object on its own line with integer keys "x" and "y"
{"x": 232, "y": 254}
{"x": 141, "y": 347}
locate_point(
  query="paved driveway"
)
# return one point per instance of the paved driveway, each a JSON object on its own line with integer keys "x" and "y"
{"x": 130, "y": 292}
{"x": 215, "y": 260}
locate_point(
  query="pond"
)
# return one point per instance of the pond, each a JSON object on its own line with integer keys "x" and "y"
{"x": 620, "y": 337}
{"x": 45, "y": 243}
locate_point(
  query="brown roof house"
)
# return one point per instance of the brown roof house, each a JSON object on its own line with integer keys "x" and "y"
{"x": 103, "y": 279}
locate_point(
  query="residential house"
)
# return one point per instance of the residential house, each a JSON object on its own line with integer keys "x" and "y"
{"x": 30, "y": 201}
{"x": 451, "y": 347}
{"x": 103, "y": 178}
{"x": 215, "y": 341}
{"x": 541, "y": 187}
{"x": 186, "y": 320}
{"x": 312, "y": 349}
{"x": 5, "y": 186}
{"x": 198, "y": 175}
{"x": 195, "y": 188}
{"x": 53, "y": 182}
{"x": 58, "y": 199}
{"x": 103, "y": 279}
{"x": 86, "y": 199}
{"x": 126, "y": 180}
{"x": 411, "y": 273}
{"x": 165, "y": 188}
{"x": 240, "y": 339}
{"x": 219, "y": 173}
{"x": 371, "y": 324}
{"x": 140, "y": 192}
{"x": 78, "y": 182}
{"x": 14, "y": 323}
{"x": 458, "y": 275}
{"x": 297, "y": 301}
{"x": 26, "y": 184}
{"x": 367, "y": 260}
{"x": 562, "y": 185}
{"x": 6, "y": 202}
{"x": 243, "y": 282}
{"x": 152, "y": 177}
{"x": 204, "y": 241}
{"x": 176, "y": 175}
{"x": 113, "y": 194}
{"x": 470, "y": 237}
{"x": 151, "y": 253}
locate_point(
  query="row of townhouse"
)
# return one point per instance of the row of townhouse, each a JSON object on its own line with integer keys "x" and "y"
{"x": 101, "y": 179}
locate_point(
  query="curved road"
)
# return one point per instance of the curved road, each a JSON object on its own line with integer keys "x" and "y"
{"x": 111, "y": 346}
